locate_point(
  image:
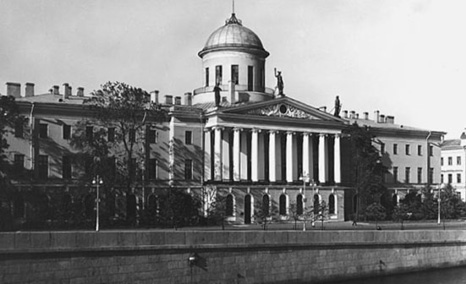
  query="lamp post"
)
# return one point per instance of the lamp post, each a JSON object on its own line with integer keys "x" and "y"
{"x": 441, "y": 186}
{"x": 97, "y": 181}
{"x": 304, "y": 178}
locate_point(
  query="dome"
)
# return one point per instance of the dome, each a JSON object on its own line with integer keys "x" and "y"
{"x": 233, "y": 35}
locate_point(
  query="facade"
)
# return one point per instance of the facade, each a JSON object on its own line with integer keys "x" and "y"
{"x": 257, "y": 146}
{"x": 453, "y": 164}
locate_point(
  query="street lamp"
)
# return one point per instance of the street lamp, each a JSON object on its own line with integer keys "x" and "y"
{"x": 441, "y": 186}
{"x": 304, "y": 178}
{"x": 97, "y": 181}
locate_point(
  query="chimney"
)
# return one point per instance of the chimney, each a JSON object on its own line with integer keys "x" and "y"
{"x": 177, "y": 100}
{"x": 352, "y": 116}
{"x": 188, "y": 99}
{"x": 66, "y": 91}
{"x": 376, "y": 116}
{"x": 154, "y": 97}
{"x": 382, "y": 118}
{"x": 232, "y": 92}
{"x": 168, "y": 100}
{"x": 390, "y": 119}
{"x": 29, "y": 90}
{"x": 56, "y": 90}
{"x": 80, "y": 92}
{"x": 345, "y": 114}
{"x": 366, "y": 115}
{"x": 13, "y": 89}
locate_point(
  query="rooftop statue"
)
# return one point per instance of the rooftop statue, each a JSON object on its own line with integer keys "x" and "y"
{"x": 280, "y": 84}
{"x": 337, "y": 107}
{"x": 217, "y": 90}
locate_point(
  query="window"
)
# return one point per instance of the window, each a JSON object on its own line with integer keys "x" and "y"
{"x": 218, "y": 74}
{"x": 43, "y": 130}
{"x": 132, "y": 135}
{"x": 188, "y": 169}
{"x": 458, "y": 160}
{"x": 43, "y": 166}
{"x": 299, "y": 204}
{"x": 450, "y": 178}
{"x": 282, "y": 205}
{"x": 152, "y": 136}
{"x": 153, "y": 169}
{"x": 66, "y": 129}
{"x": 229, "y": 206}
{"x": 458, "y": 178}
{"x": 19, "y": 128}
{"x": 450, "y": 161}
{"x": 188, "y": 137}
{"x": 431, "y": 175}
{"x": 419, "y": 175}
{"x": 431, "y": 150}
{"x": 89, "y": 133}
{"x": 419, "y": 150}
{"x": 111, "y": 134}
{"x": 407, "y": 174}
{"x": 408, "y": 150}
{"x": 250, "y": 78}
{"x": 331, "y": 204}
{"x": 441, "y": 161}
{"x": 207, "y": 76}
{"x": 395, "y": 174}
{"x": 395, "y": 149}
{"x": 266, "y": 205}
{"x": 19, "y": 162}
{"x": 66, "y": 167}
{"x": 234, "y": 74}
{"x": 441, "y": 178}
{"x": 382, "y": 148}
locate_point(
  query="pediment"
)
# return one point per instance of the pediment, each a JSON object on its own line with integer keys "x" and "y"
{"x": 282, "y": 110}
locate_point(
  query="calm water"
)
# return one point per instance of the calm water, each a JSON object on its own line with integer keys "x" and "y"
{"x": 438, "y": 276}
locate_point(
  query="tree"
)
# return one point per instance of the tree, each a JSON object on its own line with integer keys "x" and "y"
{"x": 294, "y": 214}
{"x": 320, "y": 213}
{"x": 367, "y": 167}
{"x": 217, "y": 211}
{"x": 401, "y": 213}
{"x": 375, "y": 212}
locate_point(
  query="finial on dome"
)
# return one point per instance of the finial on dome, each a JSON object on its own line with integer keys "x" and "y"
{"x": 233, "y": 20}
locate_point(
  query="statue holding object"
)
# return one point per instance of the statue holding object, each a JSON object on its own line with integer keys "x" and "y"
{"x": 280, "y": 85}
{"x": 217, "y": 91}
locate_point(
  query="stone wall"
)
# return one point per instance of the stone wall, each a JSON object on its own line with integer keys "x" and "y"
{"x": 220, "y": 257}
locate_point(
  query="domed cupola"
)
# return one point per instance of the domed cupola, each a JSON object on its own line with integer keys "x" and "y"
{"x": 233, "y": 35}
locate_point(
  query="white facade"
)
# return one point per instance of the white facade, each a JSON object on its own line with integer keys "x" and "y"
{"x": 453, "y": 163}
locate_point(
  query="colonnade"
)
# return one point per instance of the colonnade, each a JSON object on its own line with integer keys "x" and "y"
{"x": 240, "y": 154}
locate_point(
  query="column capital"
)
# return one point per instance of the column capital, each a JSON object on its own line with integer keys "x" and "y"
{"x": 290, "y": 132}
{"x": 322, "y": 135}
{"x": 256, "y": 130}
{"x": 218, "y": 128}
{"x": 273, "y": 131}
{"x": 235, "y": 129}
{"x": 337, "y": 135}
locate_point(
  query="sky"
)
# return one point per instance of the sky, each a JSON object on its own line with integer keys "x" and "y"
{"x": 405, "y": 58}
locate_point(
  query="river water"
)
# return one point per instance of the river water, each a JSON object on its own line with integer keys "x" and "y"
{"x": 438, "y": 276}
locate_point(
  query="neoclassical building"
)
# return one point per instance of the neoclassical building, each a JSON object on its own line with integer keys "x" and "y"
{"x": 256, "y": 146}
{"x": 453, "y": 163}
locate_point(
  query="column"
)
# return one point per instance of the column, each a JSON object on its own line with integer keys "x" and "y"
{"x": 311, "y": 158}
{"x": 337, "y": 162}
{"x": 207, "y": 155}
{"x": 322, "y": 159}
{"x": 243, "y": 160}
{"x": 236, "y": 154}
{"x": 306, "y": 165}
{"x": 289, "y": 156}
{"x": 272, "y": 156}
{"x": 226, "y": 155}
{"x": 255, "y": 155}
{"x": 218, "y": 153}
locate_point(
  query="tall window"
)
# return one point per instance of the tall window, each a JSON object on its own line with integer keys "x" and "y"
{"x": 266, "y": 205}
{"x": 441, "y": 161}
{"x": 43, "y": 166}
{"x": 250, "y": 78}
{"x": 395, "y": 149}
{"x": 19, "y": 162}
{"x": 450, "y": 161}
{"x": 207, "y": 76}
{"x": 229, "y": 206}
{"x": 19, "y": 128}
{"x": 111, "y": 134}
{"x": 152, "y": 136}
{"x": 407, "y": 174}
{"x": 431, "y": 150}
{"x": 408, "y": 150}
{"x": 331, "y": 204}
{"x": 450, "y": 178}
{"x": 431, "y": 175}
{"x": 43, "y": 130}
{"x": 282, "y": 205}
{"x": 66, "y": 129}
{"x": 188, "y": 139}
{"x": 458, "y": 160}
{"x": 299, "y": 204}
{"x": 234, "y": 74}
{"x": 441, "y": 178}
{"x": 153, "y": 169}
{"x": 66, "y": 167}
{"x": 419, "y": 175}
{"x": 218, "y": 74}
{"x": 419, "y": 150}
{"x": 89, "y": 133}
{"x": 458, "y": 178}
{"x": 188, "y": 169}
{"x": 395, "y": 174}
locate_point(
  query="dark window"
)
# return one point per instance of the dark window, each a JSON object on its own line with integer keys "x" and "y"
{"x": 89, "y": 133}
{"x": 299, "y": 204}
{"x": 66, "y": 131}
{"x": 229, "y": 205}
{"x": 431, "y": 175}
{"x": 407, "y": 174}
{"x": 152, "y": 136}
{"x": 43, "y": 166}
{"x": 234, "y": 74}
{"x": 266, "y": 205}
{"x": 408, "y": 150}
{"x": 419, "y": 175}
{"x": 441, "y": 161}
{"x": 441, "y": 178}
{"x": 458, "y": 178}
{"x": 132, "y": 135}
{"x": 395, "y": 174}
{"x": 188, "y": 169}
{"x": 111, "y": 134}
{"x": 43, "y": 130}
{"x": 331, "y": 204}
{"x": 450, "y": 178}
{"x": 19, "y": 128}
{"x": 431, "y": 150}
{"x": 395, "y": 149}
{"x": 450, "y": 161}
{"x": 250, "y": 78}
{"x": 282, "y": 205}
{"x": 458, "y": 160}
{"x": 66, "y": 167}
{"x": 19, "y": 162}
{"x": 188, "y": 137}
{"x": 153, "y": 172}
{"x": 419, "y": 150}
{"x": 218, "y": 74}
{"x": 207, "y": 76}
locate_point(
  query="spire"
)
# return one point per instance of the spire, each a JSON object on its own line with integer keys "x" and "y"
{"x": 233, "y": 20}
{"x": 233, "y": 7}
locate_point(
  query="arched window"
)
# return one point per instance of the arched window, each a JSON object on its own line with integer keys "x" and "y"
{"x": 247, "y": 209}
{"x": 266, "y": 205}
{"x": 331, "y": 204}
{"x": 316, "y": 204}
{"x": 229, "y": 205}
{"x": 282, "y": 207}
{"x": 299, "y": 204}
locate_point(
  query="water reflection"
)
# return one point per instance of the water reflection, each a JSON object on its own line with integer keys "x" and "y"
{"x": 438, "y": 276}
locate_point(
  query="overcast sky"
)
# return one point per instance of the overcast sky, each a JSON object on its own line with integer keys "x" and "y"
{"x": 406, "y": 58}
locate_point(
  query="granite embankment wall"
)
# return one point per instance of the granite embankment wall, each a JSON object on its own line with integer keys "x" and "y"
{"x": 222, "y": 257}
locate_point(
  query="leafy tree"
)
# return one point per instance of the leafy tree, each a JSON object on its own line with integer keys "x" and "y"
{"x": 413, "y": 201}
{"x": 320, "y": 213}
{"x": 375, "y": 212}
{"x": 178, "y": 208}
{"x": 217, "y": 211}
{"x": 401, "y": 213}
{"x": 367, "y": 170}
